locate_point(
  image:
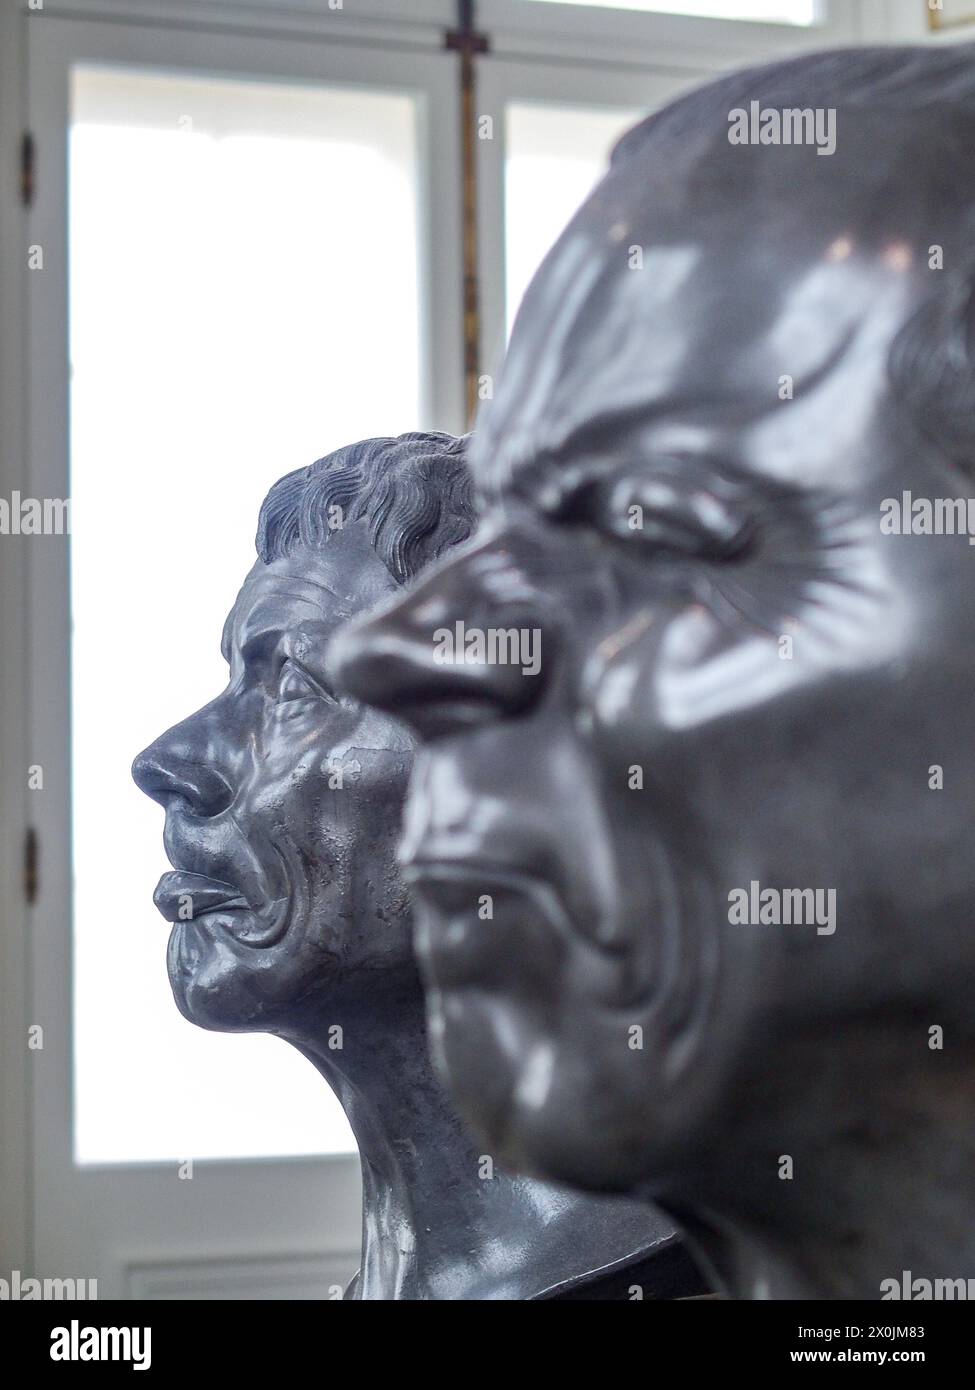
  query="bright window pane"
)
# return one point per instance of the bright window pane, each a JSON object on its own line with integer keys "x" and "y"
{"x": 243, "y": 300}
{"x": 555, "y": 156}
{"x": 771, "y": 11}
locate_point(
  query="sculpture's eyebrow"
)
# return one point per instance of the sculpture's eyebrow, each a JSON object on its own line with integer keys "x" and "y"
{"x": 227, "y": 636}
{"x": 306, "y": 591}
{"x": 312, "y": 583}
{"x": 540, "y": 481}
{"x": 552, "y": 483}
{"x": 555, "y": 485}
{"x": 260, "y": 636}
{"x": 260, "y": 639}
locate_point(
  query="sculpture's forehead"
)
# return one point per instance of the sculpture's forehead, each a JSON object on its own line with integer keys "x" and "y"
{"x": 684, "y": 316}
{"x": 312, "y": 585}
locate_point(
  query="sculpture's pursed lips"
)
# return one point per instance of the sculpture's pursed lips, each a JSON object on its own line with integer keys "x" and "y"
{"x": 454, "y": 878}
{"x": 182, "y": 897}
{"x": 227, "y": 875}
{"x": 466, "y": 944}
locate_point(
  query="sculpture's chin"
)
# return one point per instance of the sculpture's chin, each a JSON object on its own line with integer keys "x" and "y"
{"x": 599, "y": 1092}
{"x": 508, "y": 1081}
{"x": 574, "y": 1048}
{"x": 205, "y": 969}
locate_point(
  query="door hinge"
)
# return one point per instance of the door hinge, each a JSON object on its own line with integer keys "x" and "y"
{"x": 28, "y": 169}
{"x": 31, "y": 866}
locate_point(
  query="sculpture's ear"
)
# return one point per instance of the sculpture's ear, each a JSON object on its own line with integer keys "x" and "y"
{"x": 932, "y": 367}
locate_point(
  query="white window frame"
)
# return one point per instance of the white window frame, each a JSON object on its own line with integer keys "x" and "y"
{"x": 123, "y": 1224}
{"x": 126, "y": 1220}
{"x": 636, "y": 39}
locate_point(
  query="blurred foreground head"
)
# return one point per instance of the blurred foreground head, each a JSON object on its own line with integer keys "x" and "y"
{"x": 696, "y": 699}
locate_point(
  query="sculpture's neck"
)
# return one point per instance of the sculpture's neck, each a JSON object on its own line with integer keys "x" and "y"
{"x": 856, "y": 1188}
{"x": 438, "y": 1220}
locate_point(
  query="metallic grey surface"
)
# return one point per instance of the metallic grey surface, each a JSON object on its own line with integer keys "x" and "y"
{"x": 672, "y": 749}
{"x": 283, "y": 807}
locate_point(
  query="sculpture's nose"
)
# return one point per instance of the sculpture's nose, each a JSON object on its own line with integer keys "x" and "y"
{"x": 180, "y": 765}
{"x": 434, "y": 658}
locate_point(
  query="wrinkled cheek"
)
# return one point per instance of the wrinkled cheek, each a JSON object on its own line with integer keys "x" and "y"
{"x": 630, "y": 705}
{"x": 687, "y": 672}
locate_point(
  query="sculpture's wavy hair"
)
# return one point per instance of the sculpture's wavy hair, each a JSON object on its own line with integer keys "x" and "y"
{"x": 932, "y": 362}
{"x": 414, "y": 492}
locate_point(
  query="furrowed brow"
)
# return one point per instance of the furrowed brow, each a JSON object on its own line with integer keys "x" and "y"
{"x": 554, "y": 484}
{"x": 226, "y": 638}
{"x": 258, "y": 641}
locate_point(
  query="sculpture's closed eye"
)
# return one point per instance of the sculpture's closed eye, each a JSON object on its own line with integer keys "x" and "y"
{"x": 673, "y": 514}
{"x": 297, "y": 684}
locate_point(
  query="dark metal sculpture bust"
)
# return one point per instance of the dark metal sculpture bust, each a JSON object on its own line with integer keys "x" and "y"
{"x": 282, "y": 808}
{"x": 729, "y": 821}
